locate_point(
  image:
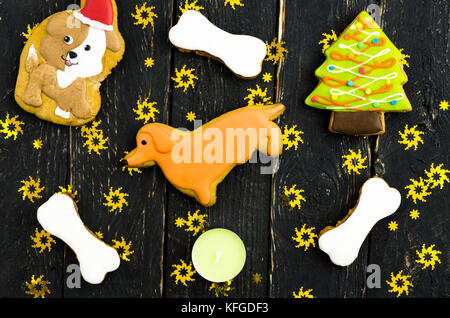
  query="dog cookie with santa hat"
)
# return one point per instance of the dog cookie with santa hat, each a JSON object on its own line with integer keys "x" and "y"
{"x": 65, "y": 60}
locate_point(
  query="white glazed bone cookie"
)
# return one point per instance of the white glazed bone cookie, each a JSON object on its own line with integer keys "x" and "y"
{"x": 59, "y": 217}
{"x": 243, "y": 54}
{"x": 377, "y": 200}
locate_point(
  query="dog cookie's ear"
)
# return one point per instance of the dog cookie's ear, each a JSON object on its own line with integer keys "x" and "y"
{"x": 57, "y": 22}
{"x": 161, "y": 136}
{"x": 113, "y": 41}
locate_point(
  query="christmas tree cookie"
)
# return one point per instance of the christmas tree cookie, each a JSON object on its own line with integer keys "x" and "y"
{"x": 361, "y": 79}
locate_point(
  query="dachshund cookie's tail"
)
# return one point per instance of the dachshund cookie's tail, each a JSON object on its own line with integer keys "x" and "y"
{"x": 32, "y": 61}
{"x": 273, "y": 111}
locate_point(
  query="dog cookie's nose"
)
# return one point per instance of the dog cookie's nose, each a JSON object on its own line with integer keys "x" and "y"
{"x": 72, "y": 54}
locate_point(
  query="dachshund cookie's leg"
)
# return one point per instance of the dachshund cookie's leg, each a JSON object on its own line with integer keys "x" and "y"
{"x": 204, "y": 195}
{"x": 271, "y": 141}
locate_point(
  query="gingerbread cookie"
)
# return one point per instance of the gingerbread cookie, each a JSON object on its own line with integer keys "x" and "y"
{"x": 59, "y": 217}
{"x": 342, "y": 242}
{"x": 195, "y": 162}
{"x": 361, "y": 79}
{"x": 242, "y": 54}
{"x": 65, "y": 60}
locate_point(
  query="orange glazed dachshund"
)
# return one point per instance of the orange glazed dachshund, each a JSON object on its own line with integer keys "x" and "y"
{"x": 195, "y": 162}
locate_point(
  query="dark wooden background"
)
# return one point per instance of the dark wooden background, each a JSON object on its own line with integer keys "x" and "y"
{"x": 248, "y": 203}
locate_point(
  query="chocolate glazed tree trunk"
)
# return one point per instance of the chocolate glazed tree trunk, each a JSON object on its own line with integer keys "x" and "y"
{"x": 357, "y": 123}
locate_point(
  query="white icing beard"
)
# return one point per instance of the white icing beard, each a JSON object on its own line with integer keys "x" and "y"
{"x": 243, "y": 54}
{"x": 86, "y": 63}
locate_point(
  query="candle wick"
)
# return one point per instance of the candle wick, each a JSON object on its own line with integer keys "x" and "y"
{"x": 218, "y": 256}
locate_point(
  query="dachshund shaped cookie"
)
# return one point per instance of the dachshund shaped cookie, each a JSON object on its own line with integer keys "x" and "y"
{"x": 195, "y": 162}
{"x": 65, "y": 60}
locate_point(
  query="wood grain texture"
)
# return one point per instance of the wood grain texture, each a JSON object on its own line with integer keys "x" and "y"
{"x": 248, "y": 202}
{"x": 244, "y": 195}
{"x": 316, "y": 167}
{"x": 428, "y": 84}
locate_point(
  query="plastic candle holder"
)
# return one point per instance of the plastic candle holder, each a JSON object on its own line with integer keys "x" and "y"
{"x": 218, "y": 255}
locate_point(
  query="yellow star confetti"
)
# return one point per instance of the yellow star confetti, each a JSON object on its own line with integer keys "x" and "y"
{"x": 184, "y": 78}
{"x": 31, "y": 189}
{"x": 222, "y": 288}
{"x": 37, "y": 144}
{"x": 29, "y": 32}
{"x": 149, "y": 62}
{"x": 291, "y": 137}
{"x": 443, "y": 105}
{"x": 96, "y": 142}
{"x": 436, "y": 176}
{"x": 123, "y": 248}
{"x": 144, "y": 15}
{"x": 94, "y": 139}
{"x": 146, "y": 111}
{"x": 257, "y": 96}
{"x": 303, "y": 294}
{"x": 37, "y": 287}
{"x": 304, "y": 237}
{"x": 403, "y": 60}
{"x": 354, "y": 161}
{"x": 267, "y": 77}
{"x": 417, "y": 190}
{"x": 42, "y": 240}
{"x": 428, "y": 256}
{"x": 256, "y": 278}
{"x": 275, "y": 51}
{"x": 393, "y": 226}
{"x": 399, "y": 284}
{"x": 68, "y": 191}
{"x": 183, "y": 273}
{"x": 327, "y": 40}
{"x": 410, "y": 137}
{"x": 195, "y": 222}
{"x": 11, "y": 127}
{"x": 190, "y": 116}
{"x": 190, "y": 6}
{"x": 414, "y": 214}
{"x": 233, "y": 3}
{"x": 292, "y": 197}
{"x": 115, "y": 199}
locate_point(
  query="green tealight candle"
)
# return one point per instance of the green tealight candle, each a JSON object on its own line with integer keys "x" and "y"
{"x": 218, "y": 255}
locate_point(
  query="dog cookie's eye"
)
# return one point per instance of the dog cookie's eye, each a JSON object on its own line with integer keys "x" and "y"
{"x": 68, "y": 39}
{"x": 87, "y": 47}
{"x": 144, "y": 142}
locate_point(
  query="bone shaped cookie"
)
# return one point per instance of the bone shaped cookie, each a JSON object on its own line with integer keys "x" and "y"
{"x": 342, "y": 243}
{"x": 243, "y": 54}
{"x": 59, "y": 217}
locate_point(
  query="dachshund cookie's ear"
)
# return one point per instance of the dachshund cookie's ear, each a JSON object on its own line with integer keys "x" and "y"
{"x": 161, "y": 136}
{"x": 113, "y": 41}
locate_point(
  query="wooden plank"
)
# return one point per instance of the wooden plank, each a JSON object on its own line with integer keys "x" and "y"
{"x": 316, "y": 167}
{"x": 142, "y": 221}
{"x": 243, "y": 198}
{"x": 422, "y": 30}
{"x": 20, "y": 161}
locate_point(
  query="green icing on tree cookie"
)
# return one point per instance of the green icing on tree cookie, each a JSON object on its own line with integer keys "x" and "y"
{"x": 362, "y": 72}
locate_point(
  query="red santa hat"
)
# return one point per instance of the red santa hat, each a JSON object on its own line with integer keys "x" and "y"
{"x": 97, "y": 13}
